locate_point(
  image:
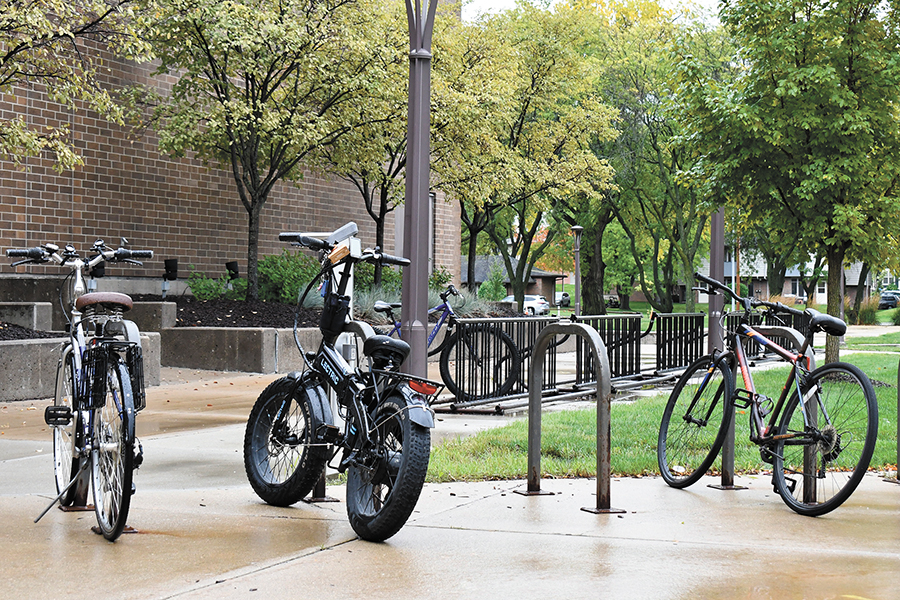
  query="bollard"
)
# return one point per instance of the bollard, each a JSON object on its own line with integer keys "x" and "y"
{"x": 727, "y": 479}
{"x": 896, "y": 477}
{"x": 603, "y": 393}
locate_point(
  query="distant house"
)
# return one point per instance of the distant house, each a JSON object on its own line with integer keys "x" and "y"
{"x": 753, "y": 274}
{"x": 541, "y": 282}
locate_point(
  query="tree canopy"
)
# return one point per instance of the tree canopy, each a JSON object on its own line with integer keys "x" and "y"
{"x": 808, "y": 132}
{"x": 57, "y": 45}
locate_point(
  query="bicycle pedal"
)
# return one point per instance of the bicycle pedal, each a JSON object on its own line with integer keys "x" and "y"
{"x": 58, "y": 416}
{"x": 767, "y": 456}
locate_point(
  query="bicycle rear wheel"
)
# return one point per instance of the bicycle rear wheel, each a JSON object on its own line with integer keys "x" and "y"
{"x": 479, "y": 361}
{"x": 67, "y": 439}
{"x": 817, "y": 471}
{"x": 112, "y": 454}
{"x": 695, "y": 422}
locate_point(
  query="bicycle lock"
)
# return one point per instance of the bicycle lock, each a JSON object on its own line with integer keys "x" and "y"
{"x": 603, "y": 393}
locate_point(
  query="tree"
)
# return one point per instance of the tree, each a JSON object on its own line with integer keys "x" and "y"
{"x": 808, "y": 132}
{"x": 372, "y": 155}
{"x": 259, "y": 86}
{"x": 663, "y": 214}
{"x": 540, "y": 138}
{"x": 58, "y": 45}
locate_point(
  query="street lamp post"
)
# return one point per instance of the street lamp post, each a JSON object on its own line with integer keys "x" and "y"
{"x": 420, "y": 14}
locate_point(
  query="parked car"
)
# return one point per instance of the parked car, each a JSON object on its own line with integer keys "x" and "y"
{"x": 533, "y": 305}
{"x": 562, "y": 299}
{"x": 888, "y": 300}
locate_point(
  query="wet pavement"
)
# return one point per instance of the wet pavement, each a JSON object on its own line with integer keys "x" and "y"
{"x": 202, "y": 533}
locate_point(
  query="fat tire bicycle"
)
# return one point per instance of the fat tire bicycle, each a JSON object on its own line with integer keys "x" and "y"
{"x": 99, "y": 387}
{"x": 477, "y": 361}
{"x": 385, "y": 440}
{"x": 818, "y": 436}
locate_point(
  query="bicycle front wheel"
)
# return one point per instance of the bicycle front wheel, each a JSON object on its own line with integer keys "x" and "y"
{"x": 66, "y": 438}
{"x": 818, "y": 468}
{"x": 382, "y": 492}
{"x": 282, "y": 457}
{"x": 480, "y": 361}
{"x": 112, "y": 451}
{"x": 695, "y": 422}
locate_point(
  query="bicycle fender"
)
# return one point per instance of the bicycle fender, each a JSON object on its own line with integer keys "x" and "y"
{"x": 319, "y": 405}
{"x": 417, "y": 407}
{"x": 127, "y": 328}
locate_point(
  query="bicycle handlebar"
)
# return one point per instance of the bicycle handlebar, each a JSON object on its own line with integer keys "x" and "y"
{"x": 747, "y": 302}
{"x": 304, "y": 240}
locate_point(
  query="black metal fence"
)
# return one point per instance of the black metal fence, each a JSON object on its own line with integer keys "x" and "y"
{"x": 679, "y": 340}
{"x": 621, "y": 334}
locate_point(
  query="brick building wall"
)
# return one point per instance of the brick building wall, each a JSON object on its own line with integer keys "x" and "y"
{"x": 174, "y": 206}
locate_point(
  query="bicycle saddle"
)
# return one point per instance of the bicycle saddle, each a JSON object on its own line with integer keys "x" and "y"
{"x": 827, "y": 323}
{"x": 386, "y": 306}
{"x": 93, "y": 298}
{"x": 384, "y": 349}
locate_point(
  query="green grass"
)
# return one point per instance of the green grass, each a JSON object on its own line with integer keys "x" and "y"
{"x": 882, "y": 343}
{"x": 568, "y": 442}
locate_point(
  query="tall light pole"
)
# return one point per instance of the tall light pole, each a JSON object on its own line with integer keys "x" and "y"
{"x": 420, "y": 14}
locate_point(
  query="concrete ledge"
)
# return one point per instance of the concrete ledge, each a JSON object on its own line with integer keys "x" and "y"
{"x": 28, "y": 367}
{"x": 33, "y": 315}
{"x": 247, "y": 349}
{"x": 153, "y": 316}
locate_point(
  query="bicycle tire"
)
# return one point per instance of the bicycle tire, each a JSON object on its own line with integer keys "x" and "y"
{"x": 112, "y": 451}
{"x": 282, "y": 459}
{"x": 479, "y": 362}
{"x": 840, "y": 448}
{"x": 695, "y": 421}
{"x": 381, "y": 496}
{"x": 67, "y": 439}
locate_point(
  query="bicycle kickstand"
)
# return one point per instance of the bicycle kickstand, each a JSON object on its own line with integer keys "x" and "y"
{"x": 84, "y": 465}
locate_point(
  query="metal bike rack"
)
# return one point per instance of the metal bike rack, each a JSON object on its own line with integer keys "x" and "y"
{"x": 603, "y": 392}
{"x": 795, "y": 337}
{"x": 896, "y": 477}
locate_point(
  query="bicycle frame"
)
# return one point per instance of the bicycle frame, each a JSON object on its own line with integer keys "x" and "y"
{"x": 446, "y": 315}
{"x": 748, "y": 397}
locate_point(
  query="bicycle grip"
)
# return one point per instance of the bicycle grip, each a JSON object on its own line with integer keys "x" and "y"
{"x": 303, "y": 240}
{"x": 126, "y": 254}
{"x": 34, "y": 253}
{"x": 394, "y": 260}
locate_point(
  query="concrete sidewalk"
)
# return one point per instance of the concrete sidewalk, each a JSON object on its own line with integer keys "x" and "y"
{"x": 202, "y": 532}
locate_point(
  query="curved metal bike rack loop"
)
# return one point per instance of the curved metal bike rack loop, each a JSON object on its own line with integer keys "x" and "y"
{"x": 603, "y": 393}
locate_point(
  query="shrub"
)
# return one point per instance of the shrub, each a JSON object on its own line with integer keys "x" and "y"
{"x": 439, "y": 278}
{"x": 282, "y": 277}
{"x": 492, "y": 289}
{"x": 364, "y": 277}
{"x": 206, "y": 288}
{"x": 895, "y": 316}
{"x": 868, "y": 312}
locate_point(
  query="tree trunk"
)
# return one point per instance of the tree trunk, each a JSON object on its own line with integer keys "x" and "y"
{"x": 835, "y": 255}
{"x": 471, "y": 284}
{"x": 253, "y": 251}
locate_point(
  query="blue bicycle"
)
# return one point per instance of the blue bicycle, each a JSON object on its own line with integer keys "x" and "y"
{"x": 477, "y": 361}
